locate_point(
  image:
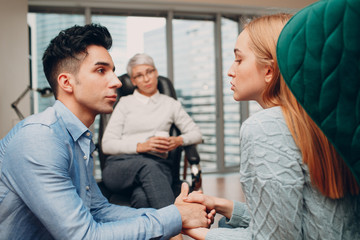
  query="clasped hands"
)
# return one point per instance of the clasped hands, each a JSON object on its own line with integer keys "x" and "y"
{"x": 159, "y": 144}
{"x": 197, "y": 212}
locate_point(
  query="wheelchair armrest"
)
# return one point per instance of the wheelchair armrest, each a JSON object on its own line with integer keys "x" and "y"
{"x": 192, "y": 154}
{"x": 196, "y": 179}
{"x": 193, "y": 158}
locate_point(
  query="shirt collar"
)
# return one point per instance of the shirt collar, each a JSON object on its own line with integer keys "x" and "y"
{"x": 75, "y": 127}
{"x": 145, "y": 99}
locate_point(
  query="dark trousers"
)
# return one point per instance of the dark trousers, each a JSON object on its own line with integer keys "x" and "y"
{"x": 149, "y": 178}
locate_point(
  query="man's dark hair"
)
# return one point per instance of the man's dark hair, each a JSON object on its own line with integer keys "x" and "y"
{"x": 63, "y": 51}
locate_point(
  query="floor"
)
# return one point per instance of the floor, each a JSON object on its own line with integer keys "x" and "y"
{"x": 225, "y": 186}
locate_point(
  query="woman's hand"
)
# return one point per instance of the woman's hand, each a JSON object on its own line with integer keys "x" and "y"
{"x": 159, "y": 144}
{"x": 199, "y": 197}
{"x": 175, "y": 142}
{"x": 156, "y": 144}
{"x": 220, "y": 205}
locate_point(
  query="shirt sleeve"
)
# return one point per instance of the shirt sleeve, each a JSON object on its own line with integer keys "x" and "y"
{"x": 112, "y": 141}
{"x": 39, "y": 174}
{"x": 190, "y": 132}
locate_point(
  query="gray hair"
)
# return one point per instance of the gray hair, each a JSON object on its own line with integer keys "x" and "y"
{"x": 139, "y": 59}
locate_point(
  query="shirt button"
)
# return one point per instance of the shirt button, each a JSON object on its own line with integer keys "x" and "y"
{"x": 87, "y": 134}
{"x": 85, "y": 157}
{"x": 87, "y": 188}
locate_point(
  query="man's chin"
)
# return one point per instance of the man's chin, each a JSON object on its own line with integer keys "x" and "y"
{"x": 108, "y": 109}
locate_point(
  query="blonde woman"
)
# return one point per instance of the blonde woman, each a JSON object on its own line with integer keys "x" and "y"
{"x": 296, "y": 185}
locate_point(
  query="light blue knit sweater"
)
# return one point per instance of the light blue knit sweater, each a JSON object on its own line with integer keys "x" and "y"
{"x": 280, "y": 200}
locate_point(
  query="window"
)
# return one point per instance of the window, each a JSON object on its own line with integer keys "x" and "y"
{"x": 45, "y": 27}
{"x": 133, "y": 35}
{"x": 194, "y": 78}
{"x": 229, "y": 30}
{"x": 191, "y": 42}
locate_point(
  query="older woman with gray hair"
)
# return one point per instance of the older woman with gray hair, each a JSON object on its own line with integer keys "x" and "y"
{"x": 139, "y": 126}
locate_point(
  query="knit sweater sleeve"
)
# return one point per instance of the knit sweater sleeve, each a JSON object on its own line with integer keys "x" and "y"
{"x": 271, "y": 176}
{"x": 240, "y": 216}
{"x": 239, "y": 222}
{"x": 272, "y": 181}
{"x": 228, "y": 234}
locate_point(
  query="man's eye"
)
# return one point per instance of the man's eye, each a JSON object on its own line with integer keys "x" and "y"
{"x": 100, "y": 70}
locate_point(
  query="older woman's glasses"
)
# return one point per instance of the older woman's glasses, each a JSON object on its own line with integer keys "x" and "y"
{"x": 141, "y": 76}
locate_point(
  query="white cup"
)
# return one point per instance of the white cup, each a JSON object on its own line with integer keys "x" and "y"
{"x": 166, "y": 134}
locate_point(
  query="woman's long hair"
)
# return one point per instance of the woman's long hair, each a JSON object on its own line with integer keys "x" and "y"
{"x": 328, "y": 172}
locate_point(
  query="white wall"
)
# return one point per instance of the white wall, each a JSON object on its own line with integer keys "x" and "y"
{"x": 206, "y": 3}
{"x": 224, "y": 6}
{"x": 14, "y": 66}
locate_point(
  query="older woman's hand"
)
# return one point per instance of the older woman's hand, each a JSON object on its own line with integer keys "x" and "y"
{"x": 156, "y": 144}
{"x": 159, "y": 144}
{"x": 175, "y": 142}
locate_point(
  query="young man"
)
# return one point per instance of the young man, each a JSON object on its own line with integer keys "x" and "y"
{"x": 46, "y": 188}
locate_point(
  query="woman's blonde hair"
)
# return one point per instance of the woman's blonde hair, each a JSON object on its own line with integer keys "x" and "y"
{"x": 328, "y": 172}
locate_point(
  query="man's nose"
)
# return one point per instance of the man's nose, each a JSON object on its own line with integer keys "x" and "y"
{"x": 115, "y": 82}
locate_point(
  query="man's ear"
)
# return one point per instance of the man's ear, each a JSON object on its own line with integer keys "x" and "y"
{"x": 65, "y": 82}
{"x": 268, "y": 74}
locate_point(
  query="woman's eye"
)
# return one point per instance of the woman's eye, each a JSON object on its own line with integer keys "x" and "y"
{"x": 238, "y": 60}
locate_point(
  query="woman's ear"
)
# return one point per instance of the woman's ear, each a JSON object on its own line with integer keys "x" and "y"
{"x": 268, "y": 74}
{"x": 65, "y": 82}
{"x": 133, "y": 81}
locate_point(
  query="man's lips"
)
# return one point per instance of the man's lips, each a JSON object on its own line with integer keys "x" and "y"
{"x": 112, "y": 97}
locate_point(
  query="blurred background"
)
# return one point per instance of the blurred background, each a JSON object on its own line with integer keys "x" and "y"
{"x": 191, "y": 42}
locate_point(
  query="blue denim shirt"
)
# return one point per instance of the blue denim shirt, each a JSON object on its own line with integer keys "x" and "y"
{"x": 47, "y": 188}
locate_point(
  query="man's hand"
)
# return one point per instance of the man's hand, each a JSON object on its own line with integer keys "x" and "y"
{"x": 193, "y": 215}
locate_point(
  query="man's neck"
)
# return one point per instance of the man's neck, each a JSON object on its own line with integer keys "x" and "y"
{"x": 86, "y": 117}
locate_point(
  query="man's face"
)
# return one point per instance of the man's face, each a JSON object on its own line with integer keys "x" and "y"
{"x": 96, "y": 83}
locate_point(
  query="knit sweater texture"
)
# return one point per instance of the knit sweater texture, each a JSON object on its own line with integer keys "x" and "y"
{"x": 281, "y": 203}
